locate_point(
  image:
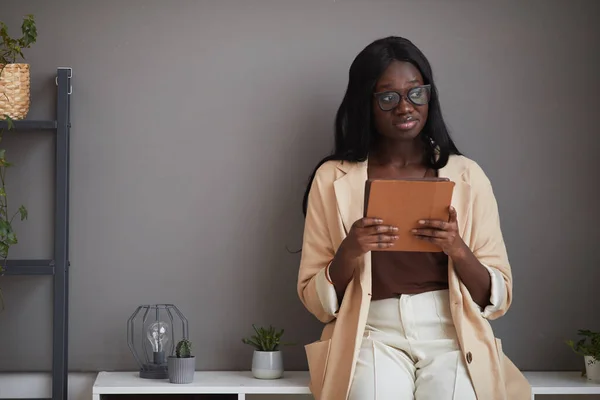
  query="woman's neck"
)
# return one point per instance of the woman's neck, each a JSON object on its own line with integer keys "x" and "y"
{"x": 398, "y": 153}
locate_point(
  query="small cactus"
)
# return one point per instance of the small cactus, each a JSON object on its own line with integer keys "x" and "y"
{"x": 184, "y": 349}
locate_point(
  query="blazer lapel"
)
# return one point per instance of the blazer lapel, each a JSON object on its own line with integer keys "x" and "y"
{"x": 461, "y": 200}
{"x": 461, "y": 196}
{"x": 350, "y": 192}
{"x": 350, "y": 197}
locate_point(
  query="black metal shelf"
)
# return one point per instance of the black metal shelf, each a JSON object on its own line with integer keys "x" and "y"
{"x": 27, "y": 125}
{"x": 58, "y": 267}
{"x": 28, "y": 267}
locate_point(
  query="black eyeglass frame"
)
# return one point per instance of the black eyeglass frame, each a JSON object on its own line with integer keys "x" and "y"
{"x": 400, "y": 95}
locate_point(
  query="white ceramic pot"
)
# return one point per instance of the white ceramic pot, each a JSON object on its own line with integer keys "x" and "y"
{"x": 592, "y": 368}
{"x": 267, "y": 364}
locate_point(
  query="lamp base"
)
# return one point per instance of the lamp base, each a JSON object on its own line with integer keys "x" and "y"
{"x": 154, "y": 371}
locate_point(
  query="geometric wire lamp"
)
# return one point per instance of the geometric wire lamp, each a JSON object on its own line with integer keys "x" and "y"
{"x": 151, "y": 337}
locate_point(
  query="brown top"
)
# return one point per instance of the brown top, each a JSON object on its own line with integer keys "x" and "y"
{"x": 397, "y": 272}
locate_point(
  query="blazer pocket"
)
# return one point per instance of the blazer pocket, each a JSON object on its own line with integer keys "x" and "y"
{"x": 317, "y": 355}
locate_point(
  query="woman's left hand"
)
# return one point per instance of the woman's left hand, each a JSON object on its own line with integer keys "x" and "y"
{"x": 442, "y": 233}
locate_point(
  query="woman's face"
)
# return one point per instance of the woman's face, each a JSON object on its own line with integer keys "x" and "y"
{"x": 405, "y": 120}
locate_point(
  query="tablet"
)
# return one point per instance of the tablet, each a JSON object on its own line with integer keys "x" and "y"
{"x": 403, "y": 202}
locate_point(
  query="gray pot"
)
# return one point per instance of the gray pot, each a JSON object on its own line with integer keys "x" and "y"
{"x": 181, "y": 370}
{"x": 267, "y": 364}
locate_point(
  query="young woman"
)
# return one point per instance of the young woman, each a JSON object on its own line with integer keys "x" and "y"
{"x": 402, "y": 325}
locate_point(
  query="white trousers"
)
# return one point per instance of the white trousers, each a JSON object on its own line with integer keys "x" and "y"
{"x": 410, "y": 351}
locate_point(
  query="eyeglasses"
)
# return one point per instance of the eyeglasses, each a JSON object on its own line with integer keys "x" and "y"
{"x": 418, "y": 95}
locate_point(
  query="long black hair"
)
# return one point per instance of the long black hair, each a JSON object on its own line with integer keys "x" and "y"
{"x": 354, "y": 127}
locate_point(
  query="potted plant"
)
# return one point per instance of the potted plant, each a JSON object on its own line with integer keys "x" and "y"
{"x": 267, "y": 360}
{"x": 182, "y": 365}
{"x": 14, "y": 77}
{"x": 589, "y": 348}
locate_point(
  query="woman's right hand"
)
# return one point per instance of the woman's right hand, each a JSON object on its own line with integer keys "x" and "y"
{"x": 368, "y": 234}
{"x": 365, "y": 235}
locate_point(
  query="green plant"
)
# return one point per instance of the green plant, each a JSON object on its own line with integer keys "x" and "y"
{"x": 8, "y": 236}
{"x": 589, "y": 345}
{"x": 183, "y": 349}
{"x": 265, "y": 339}
{"x": 11, "y": 48}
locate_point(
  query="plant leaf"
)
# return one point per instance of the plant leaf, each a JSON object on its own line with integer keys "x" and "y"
{"x": 266, "y": 339}
{"x": 585, "y": 348}
{"x": 13, "y": 46}
{"x": 9, "y": 122}
{"x": 11, "y": 238}
{"x": 23, "y": 212}
{"x": 3, "y": 249}
{"x": 5, "y": 228}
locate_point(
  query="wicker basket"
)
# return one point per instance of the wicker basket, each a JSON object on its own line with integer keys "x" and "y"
{"x": 14, "y": 91}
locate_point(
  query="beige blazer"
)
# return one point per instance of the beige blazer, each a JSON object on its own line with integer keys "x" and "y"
{"x": 336, "y": 201}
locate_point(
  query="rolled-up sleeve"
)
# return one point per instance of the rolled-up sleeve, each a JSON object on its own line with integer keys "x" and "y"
{"x": 326, "y": 292}
{"x": 498, "y": 292}
{"x": 487, "y": 244}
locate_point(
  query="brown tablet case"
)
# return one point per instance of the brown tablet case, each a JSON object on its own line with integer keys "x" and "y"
{"x": 403, "y": 202}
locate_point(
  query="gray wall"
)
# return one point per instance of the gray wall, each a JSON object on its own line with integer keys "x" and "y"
{"x": 196, "y": 124}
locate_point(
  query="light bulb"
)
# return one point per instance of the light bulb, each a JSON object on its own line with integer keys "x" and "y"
{"x": 158, "y": 335}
